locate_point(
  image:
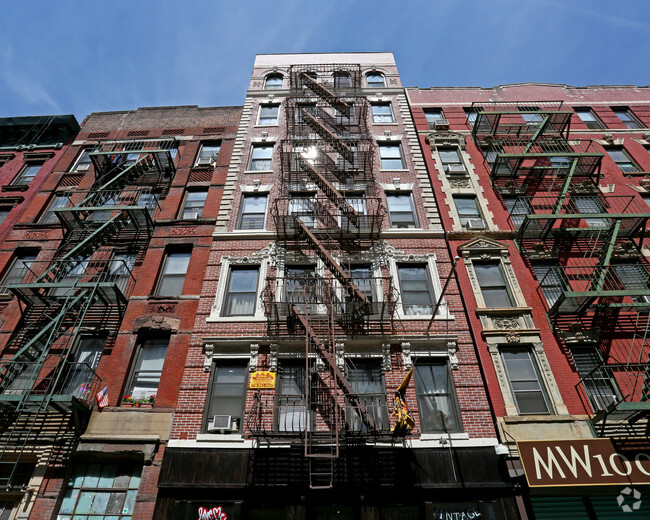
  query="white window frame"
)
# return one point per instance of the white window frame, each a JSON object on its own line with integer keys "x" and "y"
{"x": 375, "y": 73}
{"x": 408, "y": 193}
{"x": 186, "y": 200}
{"x": 275, "y": 76}
{"x": 80, "y": 166}
{"x": 227, "y": 263}
{"x": 268, "y": 105}
{"x": 251, "y": 158}
{"x": 207, "y": 161}
{"x": 398, "y": 144}
{"x": 388, "y": 104}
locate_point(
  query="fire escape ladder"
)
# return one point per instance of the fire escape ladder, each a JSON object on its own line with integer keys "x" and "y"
{"x": 325, "y": 94}
{"x": 330, "y": 362}
{"x": 344, "y": 278}
{"x": 327, "y": 135}
{"x": 330, "y": 191}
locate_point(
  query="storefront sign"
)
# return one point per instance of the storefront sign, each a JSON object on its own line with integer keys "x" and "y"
{"x": 583, "y": 462}
{"x": 470, "y": 513}
{"x": 216, "y": 513}
{"x": 262, "y": 379}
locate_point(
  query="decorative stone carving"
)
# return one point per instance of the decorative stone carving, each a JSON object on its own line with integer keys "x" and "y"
{"x": 505, "y": 322}
{"x": 268, "y": 252}
{"x": 161, "y": 308}
{"x": 406, "y": 355}
{"x": 340, "y": 354}
{"x": 385, "y": 352}
{"x": 208, "y": 350}
{"x": 189, "y": 230}
{"x": 255, "y": 350}
{"x": 157, "y": 323}
{"x": 445, "y": 139}
{"x": 512, "y": 336}
{"x": 273, "y": 357}
{"x": 452, "y": 351}
{"x": 460, "y": 183}
{"x": 36, "y": 235}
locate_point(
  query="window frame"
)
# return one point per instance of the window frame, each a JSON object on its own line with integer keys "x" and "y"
{"x": 253, "y": 161}
{"x": 591, "y": 120}
{"x": 273, "y": 76}
{"x": 293, "y": 366}
{"x": 632, "y": 121}
{"x": 242, "y": 206}
{"x": 375, "y": 402}
{"x": 163, "y": 275}
{"x": 227, "y": 294}
{"x": 429, "y": 112}
{"x": 627, "y": 166}
{"x": 464, "y": 217}
{"x": 185, "y": 209}
{"x": 138, "y": 359}
{"x": 207, "y": 160}
{"x": 85, "y": 153}
{"x": 218, "y": 308}
{"x": 19, "y": 179}
{"x": 450, "y": 395}
{"x": 222, "y": 363}
{"x": 27, "y": 256}
{"x": 386, "y": 145}
{"x": 392, "y": 195}
{"x": 390, "y": 115}
{"x": 49, "y": 215}
{"x": 273, "y": 121}
{"x": 375, "y": 84}
{"x": 503, "y": 285}
{"x": 543, "y": 391}
{"x": 429, "y": 286}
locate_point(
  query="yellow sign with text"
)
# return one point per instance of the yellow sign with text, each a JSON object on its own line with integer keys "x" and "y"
{"x": 262, "y": 379}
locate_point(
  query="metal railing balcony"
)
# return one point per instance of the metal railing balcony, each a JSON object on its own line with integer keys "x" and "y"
{"x": 577, "y": 289}
{"x": 550, "y": 217}
{"x": 45, "y": 281}
{"x": 517, "y": 119}
{"x": 356, "y": 216}
{"x": 294, "y": 416}
{"x": 331, "y": 76}
{"x": 353, "y": 122}
{"x": 110, "y": 156}
{"x": 618, "y": 391}
{"x": 55, "y": 380}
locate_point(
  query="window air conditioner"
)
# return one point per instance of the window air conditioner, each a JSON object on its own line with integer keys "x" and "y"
{"x": 454, "y": 169}
{"x": 192, "y": 215}
{"x": 475, "y": 223}
{"x": 223, "y": 423}
{"x": 441, "y": 124}
{"x": 206, "y": 161}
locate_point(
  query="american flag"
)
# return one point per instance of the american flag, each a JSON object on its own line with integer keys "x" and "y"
{"x": 102, "y": 398}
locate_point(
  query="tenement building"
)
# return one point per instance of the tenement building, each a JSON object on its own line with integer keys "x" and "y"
{"x": 543, "y": 192}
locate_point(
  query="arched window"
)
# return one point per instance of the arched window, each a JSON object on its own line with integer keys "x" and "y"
{"x": 375, "y": 79}
{"x": 342, "y": 80}
{"x": 273, "y": 82}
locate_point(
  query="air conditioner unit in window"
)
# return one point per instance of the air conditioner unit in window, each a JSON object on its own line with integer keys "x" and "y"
{"x": 454, "y": 169}
{"x": 191, "y": 215}
{"x": 223, "y": 423}
{"x": 475, "y": 223}
{"x": 206, "y": 161}
{"x": 441, "y": 124}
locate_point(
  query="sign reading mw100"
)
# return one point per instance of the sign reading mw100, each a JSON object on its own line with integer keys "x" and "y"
{"x": 582, "y": 462}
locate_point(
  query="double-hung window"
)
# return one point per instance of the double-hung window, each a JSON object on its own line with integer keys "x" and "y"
{"x": 362, "y": 277}
{"x": 81, "y": 372}
{"x": 519, "y": 208}
{"x": 228, "y": 396}
{"x": 342, "y": 80}
{"x": 273, "y": 82}
{"x": 208, "y": 154}
{"x": 300, "y": 287}
{"x": 589, "y": 118}
{"x": 292, "y": 415}
{"x": 252, "y": 213}
{"x": 634, "y": 277}
{"x": 101, "y": 492}
{"x": 241, "y": 294}
{"x": 451, "y": 161}
{"x": 468, "y": 212}
{"x": 382, "y": 112}
{"x": 391, "y": 156}
{"x": 493, "y": 285}
{"x": 121, "y": 269}
{"x": 375, "y": 80}
{"x": 367, "y": 382}
{"x": 586, "y": 205}
{"x": 627, "y": 117}
{"x": 27, "y": 174}
{"x": 531, "y": 116}
{"x": 434, "y": 386}
{"x": 524, "y": 378}
{"x": 261, "y": 156}
{"x": 84, "y": 161}
{"x": 148, "y": 367}
{"x": 551, "y": 281}
{"x": 304, "y": 208}
{"x": 622, "y": 160}
{"x": 415, "y": 289}
{"x": 401, "y": 210}
{"x": 172, "y": 277}
{"x": 58, "y": 201}
{"x": 20, "y": 268}
{"x": 194, "y": 204}
{"x": 269, "y": 115}
{"x": 434, "y": 117}
{"x": 598, "y": 383}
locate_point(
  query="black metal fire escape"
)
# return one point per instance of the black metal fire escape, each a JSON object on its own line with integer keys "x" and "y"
{"x": 329, "y": 214}
{"x": 45, "y": 395}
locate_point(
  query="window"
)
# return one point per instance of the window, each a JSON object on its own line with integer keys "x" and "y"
{"x": 586, "y": 205}
{"x": 524, "y": 380}
{"x": 208, "y": 154}
{"x": 273, "y": 82}
{"x": 269, "y": 115}
{"x": 433, "y": 115}
{"x": 83, "y": 161}
{"x": 59, "y": 201}
{"x": 401, "y": 210}
{"x": 19, "y": 269}
{"x": 468, "y": 212}
{"x": 622, "y": 160}
{"x": 149, "y": 201}
{"x": 4, "y": 213}
{"x": 415, "y": 289}
{"x": 194, "y": 204}
{"x": 27, "y": 174}
{"x": 104, "y": 491}
{"x": 261, "y": 156}
{"x": 291, "y": 398}
{"x": 358, "y": 203}
{"x": 68, "y": 280}
{"x": 434, "y": 386}
{"x": 300, "y": 287}
{"x": 628, "y": 118}
{"x": 82, "y": 369}
{"x": 105, "y": 200}
{"x": 633, "y": 277}
{"x": 362, "y": 277}
{"x": 519, "y": 208}
{"x": 493, "y": 286}
{"x": 120, "y": 271}
{"x": 589, "y": 118}
{"x": 304, "y": 208}
{"x": 375, "y": 80}
{"x": 252, "y": 214}
{"x": 531, "y": 115}
{"x": 228, "y": 394}
{"x": 597, "y": 382}
{"x": 241, "y": 293}
{"x": 552, "y": 282}
{"x": 148, "y": 368}
{"x": 451, "y": 161}
{"x": 173, "y": 273}
{"x": 342, "y": 80}
{"x": 391, "y": 156}
{"x": 382, "y": 113}
{"x": 367, "y": 382}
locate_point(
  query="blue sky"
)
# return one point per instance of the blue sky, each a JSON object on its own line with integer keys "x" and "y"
{"x": 79, "y": 57}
